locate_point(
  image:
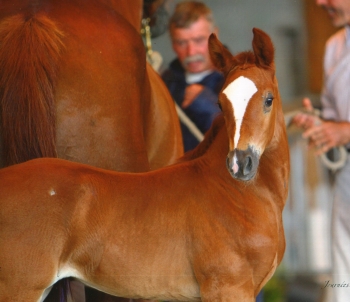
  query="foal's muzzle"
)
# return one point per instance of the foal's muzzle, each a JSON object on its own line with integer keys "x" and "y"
{"x": 242, "y": 164}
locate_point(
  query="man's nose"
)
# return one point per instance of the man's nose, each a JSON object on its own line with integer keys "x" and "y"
{"x": 191, "y": 48}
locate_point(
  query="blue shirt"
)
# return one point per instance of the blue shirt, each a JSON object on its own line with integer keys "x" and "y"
{"x": 203, "y": 110}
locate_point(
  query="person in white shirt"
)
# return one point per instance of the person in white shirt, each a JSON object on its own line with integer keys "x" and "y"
{"x": 332, "y": 132}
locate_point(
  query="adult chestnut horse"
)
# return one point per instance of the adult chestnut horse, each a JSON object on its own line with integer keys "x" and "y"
{"x": 74, "y": 84}
{"x": 207, "y": 228}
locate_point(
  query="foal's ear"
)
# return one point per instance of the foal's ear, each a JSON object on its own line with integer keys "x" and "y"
{"x": 263, "y": 49}
{"x": 220, "y": 55}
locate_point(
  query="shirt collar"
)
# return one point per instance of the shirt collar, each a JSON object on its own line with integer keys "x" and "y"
{"x": 192, "y": 78}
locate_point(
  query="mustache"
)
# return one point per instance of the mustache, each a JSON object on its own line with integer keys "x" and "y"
{"x": 194, "y": 58}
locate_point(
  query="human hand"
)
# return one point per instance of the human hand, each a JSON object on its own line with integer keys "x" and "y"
{"x": 328, "y": 135}
{"x": 304, "y": 120}
{"x": 191, "y": 92}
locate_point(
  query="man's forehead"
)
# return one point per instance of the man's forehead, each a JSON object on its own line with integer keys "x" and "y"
{"x": 201, "y": 27}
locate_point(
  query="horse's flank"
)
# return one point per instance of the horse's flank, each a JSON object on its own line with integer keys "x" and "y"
{"x": 27, "y": 78}
{"x": 80, "y": 89}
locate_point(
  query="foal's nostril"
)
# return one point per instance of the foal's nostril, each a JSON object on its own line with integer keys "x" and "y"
{"x": 248, "y": 165}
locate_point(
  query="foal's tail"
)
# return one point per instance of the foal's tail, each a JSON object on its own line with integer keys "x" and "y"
{"x": 29, "y": 52}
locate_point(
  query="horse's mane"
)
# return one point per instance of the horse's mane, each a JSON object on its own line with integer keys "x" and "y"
{"x": 209, "y": 137}
{"x": 29, "y": 52}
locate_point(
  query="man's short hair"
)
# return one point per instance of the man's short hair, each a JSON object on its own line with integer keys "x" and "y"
{"x": 188, "y": 12}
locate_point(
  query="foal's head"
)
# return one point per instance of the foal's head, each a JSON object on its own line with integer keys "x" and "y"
{"x": 249, "y": 100}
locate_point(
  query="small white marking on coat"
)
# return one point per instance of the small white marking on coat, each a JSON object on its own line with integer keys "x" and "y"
{"x": 52, "y": 192}
{"x": 66, "y": 272}
{"x": 239, "y": 92}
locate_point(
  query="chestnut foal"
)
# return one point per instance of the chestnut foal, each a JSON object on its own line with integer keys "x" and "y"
{"x": 207, "y": 228}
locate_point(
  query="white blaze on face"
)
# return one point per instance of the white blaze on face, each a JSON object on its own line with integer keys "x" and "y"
{"x": 239, "y": 93}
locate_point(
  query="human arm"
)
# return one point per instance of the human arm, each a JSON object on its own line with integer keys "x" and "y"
{"x": 322, "y": 134}
{"x": 191, "y": 93}
{"x": 328, "y": 135}
{"x": 203, "y": 109}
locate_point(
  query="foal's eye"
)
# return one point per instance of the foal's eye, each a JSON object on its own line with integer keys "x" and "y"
{"x": 269, "y": 100}
{"x": 219, "y": 104}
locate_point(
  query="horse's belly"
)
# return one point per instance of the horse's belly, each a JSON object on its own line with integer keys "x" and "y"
{"x": 156, "y": 281}
{"x": 166, "y": 288}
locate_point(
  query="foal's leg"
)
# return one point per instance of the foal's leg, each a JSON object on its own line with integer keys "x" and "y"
{"x": 19, "y": 294}
{"x": 23, "y": 278}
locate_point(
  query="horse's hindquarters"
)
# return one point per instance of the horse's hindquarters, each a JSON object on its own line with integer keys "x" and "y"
{"x": 163, "y": 133}
{"x": 101, "y": 90}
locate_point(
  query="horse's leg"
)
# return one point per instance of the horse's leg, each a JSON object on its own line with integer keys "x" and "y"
{"x": 28, "y": 266}
{"x": 163, "y": 136}
{"x": 93, "y": 295}
{"x": 77, "y": 291}
{"x": 19, "y": 288}
{"x": 19, "y": 293}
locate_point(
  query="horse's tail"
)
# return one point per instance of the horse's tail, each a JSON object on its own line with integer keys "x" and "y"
{"x": 29, "y": 51}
